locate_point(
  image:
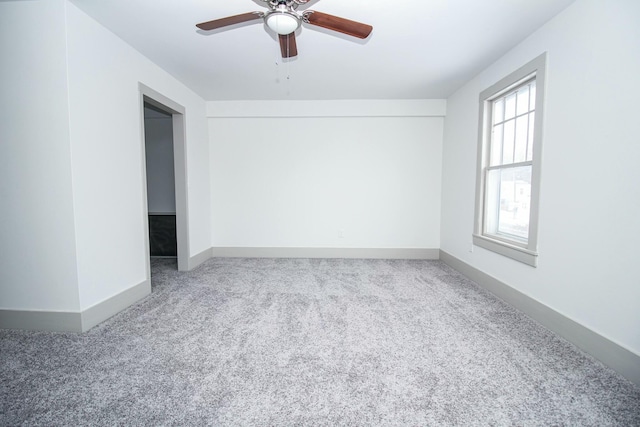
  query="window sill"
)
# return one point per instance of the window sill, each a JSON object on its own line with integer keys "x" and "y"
{"x": 517, "y": 253}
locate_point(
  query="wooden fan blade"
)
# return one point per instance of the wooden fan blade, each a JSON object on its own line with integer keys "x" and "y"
{"x": 229, "y": 20}
{"x": 288, "y": 45}
{"x": 335, "y": 23}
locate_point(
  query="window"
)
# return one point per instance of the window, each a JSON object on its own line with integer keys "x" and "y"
{"x": 508, "y": 180}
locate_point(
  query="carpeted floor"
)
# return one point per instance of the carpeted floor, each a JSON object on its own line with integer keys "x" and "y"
{"x": 310, "y": 342}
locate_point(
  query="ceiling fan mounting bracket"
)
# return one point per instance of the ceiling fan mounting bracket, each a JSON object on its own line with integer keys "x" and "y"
{"x": 289, "y": 4}
{"x": 305, "y": 16}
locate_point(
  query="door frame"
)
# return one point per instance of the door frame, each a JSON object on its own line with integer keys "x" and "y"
{"x": 177, "y": 112}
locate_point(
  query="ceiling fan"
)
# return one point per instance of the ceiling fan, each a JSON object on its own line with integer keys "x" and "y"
{"x": 284, "y": 20}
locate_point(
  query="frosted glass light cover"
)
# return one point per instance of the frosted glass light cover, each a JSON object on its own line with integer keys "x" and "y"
{"x": 282, "y": 23}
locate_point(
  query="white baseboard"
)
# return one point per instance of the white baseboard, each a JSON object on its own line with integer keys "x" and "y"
{"x": 364, "y": 253}
{"x": 34, "y": 320}
{"x": 625, "y": 362}
{"x": 198, "y": 259}
{"x": 63, "y": 321}
{"x": 100, "y": 312}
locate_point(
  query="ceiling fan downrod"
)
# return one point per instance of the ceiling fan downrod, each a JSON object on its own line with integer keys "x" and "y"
{"x": 291, "y": 4}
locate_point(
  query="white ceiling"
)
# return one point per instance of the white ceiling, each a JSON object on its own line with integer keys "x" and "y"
{"x": 419, "y": 49}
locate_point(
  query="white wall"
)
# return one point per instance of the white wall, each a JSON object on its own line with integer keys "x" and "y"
{"x": 158, "y": 135}
{"x": 37, "y": 236}
{"x": 590, "y": 193}
{"x": 72, "y": 186}
{"x": 107, "y": 157}
{"x": 313, "y": 172}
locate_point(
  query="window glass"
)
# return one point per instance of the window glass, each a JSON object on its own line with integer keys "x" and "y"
{"x": 509, "y": 193}
{"x": 522, "y": 135}
{"x": 510, "y": 106}
{"x": 532, "y": 117}
{"x": 523, "y": 100}
{"x": 507, "y": 145}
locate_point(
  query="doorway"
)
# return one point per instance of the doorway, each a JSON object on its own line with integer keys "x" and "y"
{"x": 161, "y": 193}
{"x": 165, "y": 204}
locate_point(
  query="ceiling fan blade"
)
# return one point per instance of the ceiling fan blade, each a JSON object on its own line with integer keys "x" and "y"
{"x": 335, "y": 23}
{"x": 229, "y": 20}
{"x": 288, "y": 45}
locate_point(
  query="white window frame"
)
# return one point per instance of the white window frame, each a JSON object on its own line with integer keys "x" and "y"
{"x": 526, "y": 252}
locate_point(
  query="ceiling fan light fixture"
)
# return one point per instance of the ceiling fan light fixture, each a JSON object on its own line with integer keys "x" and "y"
{"x": 282, "y": 22}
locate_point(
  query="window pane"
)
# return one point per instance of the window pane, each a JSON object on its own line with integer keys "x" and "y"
{"x": 510, "y": 106}
{"x": 508, "y": 202}
{"x": 492, "y": 201}
{"x": 532, "y": 97}
{"x": 496, "y": 145}
{"x": 532, "y": 117}
{"x": 498, "y": 111}
{"x": 522, "y": 133}
{"x": 523, "y": 100}
{"x": 507, "y": 146}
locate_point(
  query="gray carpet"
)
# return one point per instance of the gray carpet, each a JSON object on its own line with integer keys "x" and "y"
{"x": 310, "y": 342}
